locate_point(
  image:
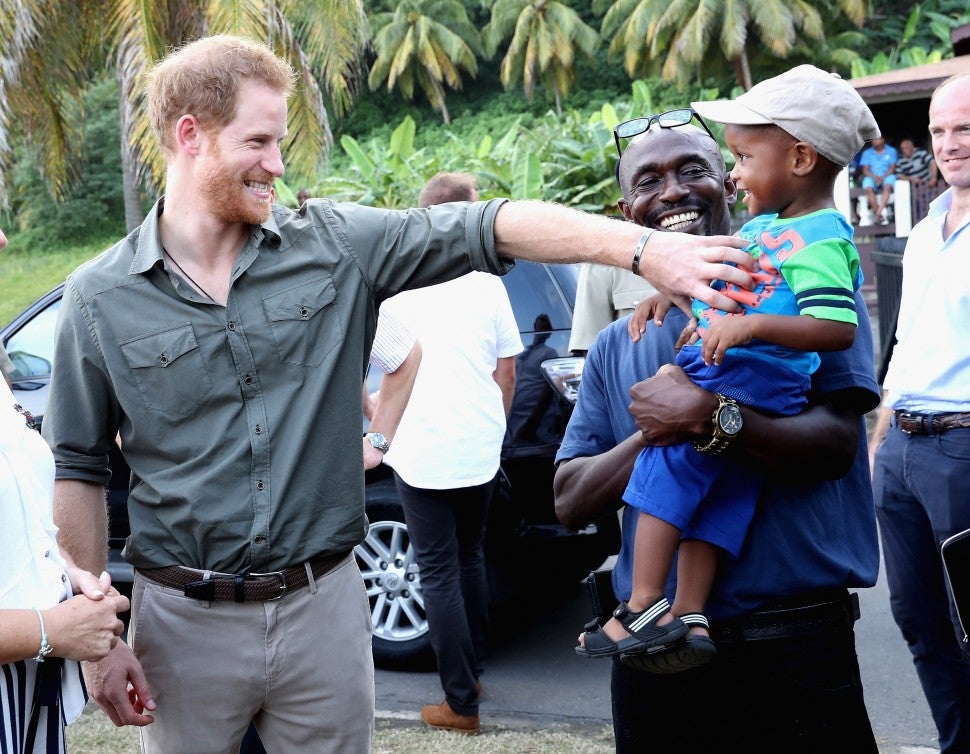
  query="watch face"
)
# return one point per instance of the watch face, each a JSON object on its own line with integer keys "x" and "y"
{"x": 378, "y": 441}
{"x": 729, "y": 418}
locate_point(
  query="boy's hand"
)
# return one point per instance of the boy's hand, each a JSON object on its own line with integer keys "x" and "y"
{"x": 653, "y": 307}
{"x": 724, "y": 332}
{"x": 688, "y": 336}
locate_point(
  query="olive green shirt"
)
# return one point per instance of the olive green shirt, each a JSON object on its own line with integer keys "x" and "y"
{"x": 241, "y": 424}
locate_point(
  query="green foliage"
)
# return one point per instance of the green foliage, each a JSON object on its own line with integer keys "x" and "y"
{"x": 569, "y": 158}
{"x": 92, "y": 204}
{"x": 922, "y": 36}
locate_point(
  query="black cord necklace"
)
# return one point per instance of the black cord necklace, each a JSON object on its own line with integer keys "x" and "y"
{"x": 187, "y": 276}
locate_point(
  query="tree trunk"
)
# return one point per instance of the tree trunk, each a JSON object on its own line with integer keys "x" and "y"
{"x": 742, "y": 71}
{"x": 129, "y": 169}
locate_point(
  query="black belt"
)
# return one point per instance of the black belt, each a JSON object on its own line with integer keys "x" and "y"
{"x": 791, "y": 619}
{"x": 930, "y": 424}
{"x": 250, "y": 587}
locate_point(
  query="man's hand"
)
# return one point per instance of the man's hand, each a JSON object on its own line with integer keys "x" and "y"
{"x": 669, "y": 408}
{"x": 682, "y": 266}
{"x": 723, "y": 333}
{"x": 118, "y": 684}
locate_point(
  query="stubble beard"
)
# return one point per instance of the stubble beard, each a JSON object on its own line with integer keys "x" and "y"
{"x": 227, "y": 198}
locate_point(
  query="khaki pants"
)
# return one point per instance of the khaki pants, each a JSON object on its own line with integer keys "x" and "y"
{"x": 300, "y": 667}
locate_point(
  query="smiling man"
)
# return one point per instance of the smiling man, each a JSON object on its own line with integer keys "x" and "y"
{"x": 921, "y": 474}
{"x": 225, "y": 340}
{"x": 780, "y": 612}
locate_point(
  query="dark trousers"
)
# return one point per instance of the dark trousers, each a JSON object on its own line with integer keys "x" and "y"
{"x": 921, "y": 485}
{"x": 447, "y": 531}
{"x": 797, "y": 695}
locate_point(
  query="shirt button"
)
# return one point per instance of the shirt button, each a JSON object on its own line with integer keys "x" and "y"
{"x": 304, "y": 313}
{"x": 47, "y": 553}
{"x": 258, "y": 429}
{"x": 248, "y": 379}
{"x": 258, "y": 538}
{"x": 231, "y": 326}
{"x": 163, "y": 359}
{"x": 260, "y": 485}
{"x": 64, "y": 577}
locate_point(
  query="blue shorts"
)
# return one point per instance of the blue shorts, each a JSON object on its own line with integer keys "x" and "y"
{"x": 869, "y": 181}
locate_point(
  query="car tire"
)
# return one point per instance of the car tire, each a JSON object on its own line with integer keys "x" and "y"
{"x": 393, "y": 584}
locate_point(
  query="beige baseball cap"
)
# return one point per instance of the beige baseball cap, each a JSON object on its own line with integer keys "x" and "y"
{"x": 812, "y": 105}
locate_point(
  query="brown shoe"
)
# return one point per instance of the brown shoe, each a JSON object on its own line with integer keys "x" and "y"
{"x": 443, "y": 717}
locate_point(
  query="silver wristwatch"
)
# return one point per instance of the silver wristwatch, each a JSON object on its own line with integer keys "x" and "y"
{"x": 378, "y": 441}
{"x": 728, "y": 422}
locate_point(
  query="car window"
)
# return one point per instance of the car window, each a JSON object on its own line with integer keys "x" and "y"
{"x": 31, "y": 348}
{"x": 535, "y": 297}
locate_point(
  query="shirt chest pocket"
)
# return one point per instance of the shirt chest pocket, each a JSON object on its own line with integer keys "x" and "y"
{"x": 169, "y": 370}
{"x": 305, "y": 322}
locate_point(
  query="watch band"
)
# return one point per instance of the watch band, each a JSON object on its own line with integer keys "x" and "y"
{"x": 720, "y": 439}
{"x": 377, "y": 440}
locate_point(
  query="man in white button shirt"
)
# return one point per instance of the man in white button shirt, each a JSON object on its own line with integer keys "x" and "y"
{"x": 921, "y": 471}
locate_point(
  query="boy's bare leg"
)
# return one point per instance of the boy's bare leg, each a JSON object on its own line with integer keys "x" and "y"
{"x": 655, "y": 544}
{"x": 696, "y": 567}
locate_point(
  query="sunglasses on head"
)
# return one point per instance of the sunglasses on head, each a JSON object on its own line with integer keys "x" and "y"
{"x": 670, "y": 119}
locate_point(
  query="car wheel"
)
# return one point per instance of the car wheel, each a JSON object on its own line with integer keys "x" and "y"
{"x": 393, "y": 584}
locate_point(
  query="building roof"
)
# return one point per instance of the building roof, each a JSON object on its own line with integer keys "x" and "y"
{"x": 917, "y": 82}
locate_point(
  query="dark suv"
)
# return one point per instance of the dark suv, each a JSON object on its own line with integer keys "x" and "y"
{"x": 526, "y": 547}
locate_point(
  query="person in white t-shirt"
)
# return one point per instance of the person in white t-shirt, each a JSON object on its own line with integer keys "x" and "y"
{"x": 446, "y": 456}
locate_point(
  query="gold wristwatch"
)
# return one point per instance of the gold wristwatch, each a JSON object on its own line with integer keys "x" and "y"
{"x": 727, "y": 425}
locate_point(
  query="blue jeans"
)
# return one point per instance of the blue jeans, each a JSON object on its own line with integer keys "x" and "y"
{"x": 447, "y": 531}
{"x": 921, "y": 485}
{"x": 797, "y": 695}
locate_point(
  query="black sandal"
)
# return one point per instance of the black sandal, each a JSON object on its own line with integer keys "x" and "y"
{"x": 645, "y": 635}
{"x": 692, "y": 652}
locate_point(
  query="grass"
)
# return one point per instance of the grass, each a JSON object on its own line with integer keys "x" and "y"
{"x": 26, "y": 274}
{"x": 95, "y": 734}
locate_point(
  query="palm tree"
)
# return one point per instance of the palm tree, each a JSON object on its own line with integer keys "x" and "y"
{"x": 51, "y": 50}
{"x": 545, "y": 36}
{"x": 681, "y": 31}
{"x": 424, "y": 42}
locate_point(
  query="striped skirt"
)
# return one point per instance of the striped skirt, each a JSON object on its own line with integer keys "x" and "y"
{"x": 36, "y": 701}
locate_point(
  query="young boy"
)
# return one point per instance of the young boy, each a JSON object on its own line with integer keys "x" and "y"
{"x": 790, "y": 135}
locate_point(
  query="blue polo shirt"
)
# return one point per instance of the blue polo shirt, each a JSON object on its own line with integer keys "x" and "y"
{"x": 804, "y": 536}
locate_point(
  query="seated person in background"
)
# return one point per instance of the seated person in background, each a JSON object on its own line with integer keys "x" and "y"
{"x": 878, "y": 174}
{"x": 693, "y": 499}
{"x": 916, "y": 165}
{"x": 603, "y": 295}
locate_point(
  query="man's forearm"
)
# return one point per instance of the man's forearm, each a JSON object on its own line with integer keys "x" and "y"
{"x": 680, "y": 265}
{"x": 587, "y": 488}
{"x": 81, "y": 515}
{"x": 395, "y": 392}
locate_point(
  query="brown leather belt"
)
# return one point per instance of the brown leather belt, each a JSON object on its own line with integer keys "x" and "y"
{"x": 211, "y": 586}
{"x": 930, "y": 424}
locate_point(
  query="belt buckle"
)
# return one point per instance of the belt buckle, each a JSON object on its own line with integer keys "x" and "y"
{"x": 908, "y": 417}
{"x": 281, "y": 575}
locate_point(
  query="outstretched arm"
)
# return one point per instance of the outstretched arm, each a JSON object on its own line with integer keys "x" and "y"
{"x": 677, "y": 264}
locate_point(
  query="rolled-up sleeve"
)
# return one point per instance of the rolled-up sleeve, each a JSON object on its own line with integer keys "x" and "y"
{"x": 81, "y": 418}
